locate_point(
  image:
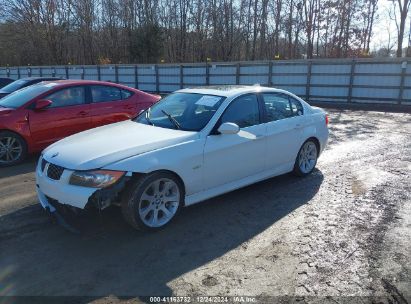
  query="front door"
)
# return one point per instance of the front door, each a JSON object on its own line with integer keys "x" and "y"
{"x": 68, "y": 114}
{"x": 231, "y": 157}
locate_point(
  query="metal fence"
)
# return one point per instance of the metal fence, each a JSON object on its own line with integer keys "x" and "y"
{"x": 321, "y": 80}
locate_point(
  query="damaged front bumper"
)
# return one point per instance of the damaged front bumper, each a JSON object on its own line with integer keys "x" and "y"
{"x": 61, "y": 199}
{"x": 60, "y": 189}
{"x": 54, "y": 213}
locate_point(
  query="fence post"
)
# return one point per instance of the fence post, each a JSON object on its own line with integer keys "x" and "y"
{"x": 270, "y": 74}
{"x": 181, "y": 77}
{"x": 41, "y": 72}
{"x": 237, "y": 74}
{"x": 67, "y": 73}
{"x": 207, "y": 74}
{"x": 352, "y": 73}
{"x": 8, "y": 72}
{"x": 18, "y": 72}
{"x": 82, "y": 72}
{"x": 403, "y": 70}
{"x": 29, "y": 72}
{"x": 308, "y": 85}
{"x": 98, "y": 73}
{"x": 53, "y": 73}
{"x": 157, "y": 80}
{"x": 136, "y": 76}
{"x": 116, "y": 72}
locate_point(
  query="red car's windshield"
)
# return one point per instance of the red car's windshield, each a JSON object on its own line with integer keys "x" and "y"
{"x": 20, "y": 97}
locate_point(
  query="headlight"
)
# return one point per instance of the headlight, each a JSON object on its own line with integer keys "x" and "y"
{"x": 95, "y": 179}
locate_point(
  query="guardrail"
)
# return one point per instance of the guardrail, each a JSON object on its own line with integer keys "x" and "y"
{"x": 386, "y": 81}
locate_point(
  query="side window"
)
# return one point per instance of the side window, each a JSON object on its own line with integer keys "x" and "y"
{"x": 277, "y": 106}
{"x": 296, "y": 106}
{"x": 243, "y": 111}
{"x": 67, "y": 97}
{"x": 125, "y": 94}
{"x": 105, "y": 93}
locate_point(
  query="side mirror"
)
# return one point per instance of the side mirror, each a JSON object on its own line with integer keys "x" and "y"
{"x": 42, "y": 104}
{"x": 228, "y": 128}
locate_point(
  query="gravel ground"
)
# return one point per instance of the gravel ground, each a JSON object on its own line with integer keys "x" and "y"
{"x": 340, "y": 235}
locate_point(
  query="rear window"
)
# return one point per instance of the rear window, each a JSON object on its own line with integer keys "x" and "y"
{"x": 125, "y": 94}
{"x": 21, "y": 97}
{"x": 101, "y": 93}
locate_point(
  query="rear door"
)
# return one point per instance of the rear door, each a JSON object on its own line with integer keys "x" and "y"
{"x": 110, "y": 104}
{"x": 284, "y": 130}
{"x": 68, "y": 114}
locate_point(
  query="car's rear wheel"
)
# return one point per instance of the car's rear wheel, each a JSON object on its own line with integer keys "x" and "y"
{"x": 306, "y": 158}
{"x": 152, "y": 201}
{"x": 13, "y": 149}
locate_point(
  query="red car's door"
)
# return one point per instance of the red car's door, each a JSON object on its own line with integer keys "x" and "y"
{"x": 68, "y": 114}
{"x": 110, "y": 104}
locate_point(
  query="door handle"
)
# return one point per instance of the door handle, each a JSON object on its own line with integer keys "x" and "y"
{"x": 259, "y": 136}
{"x": 82, "y": 113}
{"x": 297, "y": 126}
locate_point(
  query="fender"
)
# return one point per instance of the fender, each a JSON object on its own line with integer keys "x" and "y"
{"x": 184, "y": 159}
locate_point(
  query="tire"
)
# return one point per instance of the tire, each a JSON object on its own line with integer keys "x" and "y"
{"x": 306, "y": 158}
{"x": 152, "y": 201}
{"x": 13, "y": 149}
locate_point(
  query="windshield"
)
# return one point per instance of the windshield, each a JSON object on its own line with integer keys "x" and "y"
{"x": 183, "y": 111}
{"x": 14, "y": 86}
{"x": 20, "y": 97}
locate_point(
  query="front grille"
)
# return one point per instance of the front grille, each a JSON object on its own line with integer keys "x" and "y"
{"x": 43, "y": 164}
{"x": 54, "y": 171}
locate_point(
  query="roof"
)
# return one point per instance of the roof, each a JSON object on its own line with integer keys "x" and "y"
{"x": 227, "y": 90}
{"x": 83, "y": 82}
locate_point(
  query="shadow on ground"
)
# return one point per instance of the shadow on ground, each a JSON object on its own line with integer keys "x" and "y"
{"x": 40, "y": 258}
{"x": 27, "y": 166}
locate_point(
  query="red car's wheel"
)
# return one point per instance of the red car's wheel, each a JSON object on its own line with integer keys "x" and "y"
{"x": 13, "y": 148}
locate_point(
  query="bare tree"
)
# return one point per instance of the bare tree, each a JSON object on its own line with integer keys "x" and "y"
{"x": 400, "y": 11}
{"x": 122, "y": 31}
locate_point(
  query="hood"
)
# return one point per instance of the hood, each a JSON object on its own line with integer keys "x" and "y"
{"x": 99, "y": 147}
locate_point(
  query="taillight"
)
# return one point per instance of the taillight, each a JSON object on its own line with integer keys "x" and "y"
{"x": 326, "y": 120}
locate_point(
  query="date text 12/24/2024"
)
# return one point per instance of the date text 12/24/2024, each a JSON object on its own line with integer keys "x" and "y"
{"x": 203, "y": 299}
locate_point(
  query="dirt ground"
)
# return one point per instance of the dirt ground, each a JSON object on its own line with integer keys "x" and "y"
{"x": 341, "y": 235}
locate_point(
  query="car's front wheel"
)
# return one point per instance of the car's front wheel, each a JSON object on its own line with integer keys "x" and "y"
{"x": 13, "y": 149}
{"x": 306, "y": 158}
{"x": 152, "y": 201}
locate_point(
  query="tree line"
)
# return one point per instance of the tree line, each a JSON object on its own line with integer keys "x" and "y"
{"x": 40, "y": 32}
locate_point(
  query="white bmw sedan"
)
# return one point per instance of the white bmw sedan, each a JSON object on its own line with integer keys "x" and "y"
{"x": 192, "y": 145}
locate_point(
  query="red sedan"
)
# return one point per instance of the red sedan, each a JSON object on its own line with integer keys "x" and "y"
{"x": 34, "y": 117}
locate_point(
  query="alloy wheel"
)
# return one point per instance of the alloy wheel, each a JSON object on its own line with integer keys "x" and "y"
{"x": 159, "y": 202}
{"x": 308, "y": 157}
{"x": 10, "y": 149}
